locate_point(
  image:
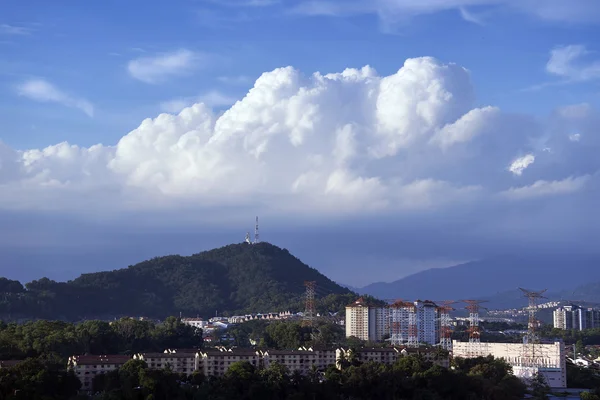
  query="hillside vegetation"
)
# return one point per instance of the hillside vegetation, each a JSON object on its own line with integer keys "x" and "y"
{"x": 237, "y": 278}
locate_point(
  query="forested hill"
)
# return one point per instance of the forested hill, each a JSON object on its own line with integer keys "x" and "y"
{"x": 238, "y": 278}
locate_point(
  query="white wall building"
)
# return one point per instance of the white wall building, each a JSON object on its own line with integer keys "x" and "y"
{"x": 525, "y": 359}
{"x": 365, "y": 321}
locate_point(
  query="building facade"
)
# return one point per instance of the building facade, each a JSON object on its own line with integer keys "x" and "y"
{"x": 87, "y": 367}
{"x": 576, "y": 317}
{"x": 179, "y": 362}
{"x": 526, "y": 359}
{"x": 363, "y": 319}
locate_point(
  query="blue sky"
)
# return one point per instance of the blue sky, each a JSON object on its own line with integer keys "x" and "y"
{"x": 84, "y": 48}
{"x": 89, "y": 72}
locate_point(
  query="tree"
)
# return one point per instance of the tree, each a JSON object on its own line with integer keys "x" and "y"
{"x": 539, "y": 388}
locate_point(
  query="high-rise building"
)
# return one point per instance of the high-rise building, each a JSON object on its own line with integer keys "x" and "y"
{"x": 576, "y": 317}
{"x": 365, "y": 321}
{"x": 404, "y": 323}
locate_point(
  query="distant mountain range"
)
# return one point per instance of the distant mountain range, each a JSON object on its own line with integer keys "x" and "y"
{"x": 239, "y": 278}
{"x": 498, "y": 280}
{"x": 244, "y": 278}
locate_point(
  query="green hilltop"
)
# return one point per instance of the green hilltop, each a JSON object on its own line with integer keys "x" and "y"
{"x": 234, "y": 279}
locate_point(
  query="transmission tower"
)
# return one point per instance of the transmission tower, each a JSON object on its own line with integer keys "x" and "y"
{"x": 532, "y": 354}
{"x": 473, "y": 307}
{"x": 532, "y": 323}
{"x": 445, "y": 328}
{"x": 256, "y": 236}
{"x": 309, "y": 308}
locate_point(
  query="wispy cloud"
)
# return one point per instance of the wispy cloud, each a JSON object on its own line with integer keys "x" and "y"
{"x": 546, "y": 188}
{"x": 43, "y": 91}
{"x": 470, "y": 17}
{"x": 579, "y": 11}
{"x": 14, "y": 30}
{"x": 567, "y": 62}
{"x": 212, "y": 99}
{"x": 244, "y": 3}
{"x": 334, "y": 9}
{"x": 164, "y": 66}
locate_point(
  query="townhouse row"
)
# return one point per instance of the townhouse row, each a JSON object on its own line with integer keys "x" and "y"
{"x": 216, "y": 362}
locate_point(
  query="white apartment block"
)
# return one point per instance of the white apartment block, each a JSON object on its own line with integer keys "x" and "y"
{"x": 389, "y": 355}
{"x": 87, "y": 367}
{"x": 525, "y": 359}
{"x": 575, "y": 317}
{"x": 427, "y": 322}
{"x": 365, "y": 321}
{"x": 325, "y": 356}
{"x": 195, "y": 322}
{"x": 215, "y": 362}
{"x": 178, "y": 362}
{"x": 294, "y": 360}
{"x": 405, "y": 323}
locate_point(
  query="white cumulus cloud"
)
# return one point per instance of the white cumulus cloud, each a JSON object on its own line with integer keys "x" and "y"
{"x": 338, "y": 143}
{"x": 163, "y": 66}
{"x": 44, "y": 91}
{"x": 212, "y": 98}
{"x": 520, "y": 164}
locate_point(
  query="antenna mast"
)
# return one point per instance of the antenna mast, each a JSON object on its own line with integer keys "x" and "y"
{"x": 256, "y": 236}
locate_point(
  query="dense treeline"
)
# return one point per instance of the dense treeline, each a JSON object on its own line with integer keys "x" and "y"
{"x": 125, "y": 336}
{"x": 409, "y": 378}
{"x": 572, "y": 336}
{"x": 234, "y": 279}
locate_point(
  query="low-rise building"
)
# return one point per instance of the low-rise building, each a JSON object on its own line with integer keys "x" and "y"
{"x": 325, "y": 356}
{"x": 195, "y": 322}
{"x": 215, "y": 362}
{"x": 526, "y": 359}
{"x": 178, "y": 362}
{"x": 87, "y": 367}
{"x": 294, "y": 360}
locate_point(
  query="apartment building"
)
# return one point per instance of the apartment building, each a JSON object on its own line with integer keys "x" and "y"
{"x": 87, "y": 367}
{"x": 195, "y": 322}
{"x": 389, "y": 355}
{"x": 575, "y": 317}
{"x": 325, "y": 356}
{"x": 215, "y": 362}
{"x": 294, "y": 360}
{"x": 526, "y": 359}
{"x": 178, "y": 362}
{"x": 365, "y": 321}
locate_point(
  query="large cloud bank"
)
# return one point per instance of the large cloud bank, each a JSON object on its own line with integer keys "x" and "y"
{"x": 334, "y": 143}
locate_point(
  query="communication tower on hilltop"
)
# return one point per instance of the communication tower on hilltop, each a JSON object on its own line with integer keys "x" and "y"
{"x": 247, "y": 240}
{"x": 256, "y": 236}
